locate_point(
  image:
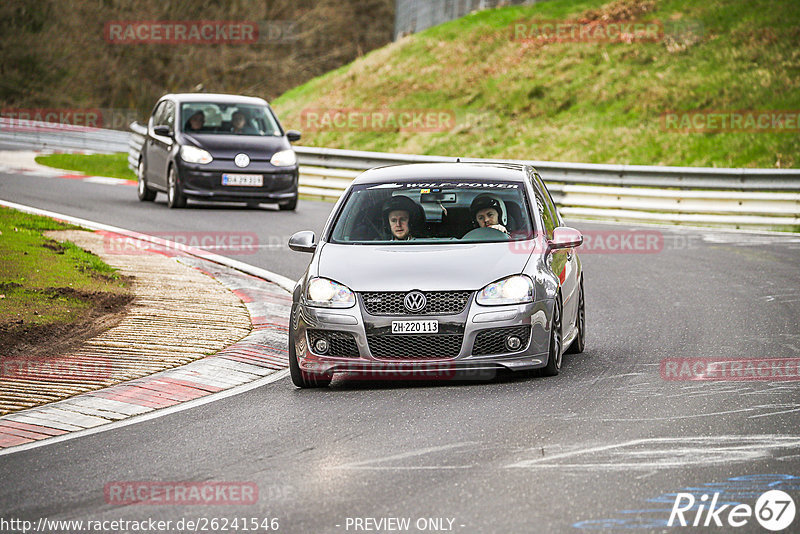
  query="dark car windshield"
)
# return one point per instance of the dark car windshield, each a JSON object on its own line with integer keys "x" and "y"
{"x": 228, "y": 119}
{"x": 436, "y": 211}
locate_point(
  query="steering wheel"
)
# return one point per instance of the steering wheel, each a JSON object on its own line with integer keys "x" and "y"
{"x": 486, "y": 234}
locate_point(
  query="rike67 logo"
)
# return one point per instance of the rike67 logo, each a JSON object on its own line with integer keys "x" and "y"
{"x": 774, "y": 510}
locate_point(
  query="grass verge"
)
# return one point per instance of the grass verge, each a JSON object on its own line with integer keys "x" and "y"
{"x": 112, "y": 165}
{"x": 580, "y": 101}
{"x": 45, "y": 286}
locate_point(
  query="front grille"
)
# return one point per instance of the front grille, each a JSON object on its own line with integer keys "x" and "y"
{"x": 415, "y": 346}
{"x": 341, "y": 344}
{"x": 493, "y": 340}
{"x": 438, "y": 303}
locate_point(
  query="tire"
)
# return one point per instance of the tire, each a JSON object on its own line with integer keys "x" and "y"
{"x": 579, "y": 343}
{"x": 144, "y": 193}
{"x": 554, "y": 355}
{"x": 301, "y": 378}
{"x": 175, "y": 198}
{"x": 290, "y": 205}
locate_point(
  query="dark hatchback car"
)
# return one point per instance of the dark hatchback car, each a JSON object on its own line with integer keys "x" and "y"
{"x": 217, "y": 147}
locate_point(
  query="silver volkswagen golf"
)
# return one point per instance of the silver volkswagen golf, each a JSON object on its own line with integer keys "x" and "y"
{"x": 428, "y": 269}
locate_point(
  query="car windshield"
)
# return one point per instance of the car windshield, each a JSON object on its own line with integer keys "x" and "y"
{"x": 434, "y": 211}
{"x": 228, "y": 119}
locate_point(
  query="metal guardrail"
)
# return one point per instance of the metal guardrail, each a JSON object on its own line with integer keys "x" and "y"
{"x": 45, "y": 135}
{"x": 138, "y": 133}
{"x": 747, "y": 198}
{"x": 750, "y": 198}
{"x": 587, "y": 173}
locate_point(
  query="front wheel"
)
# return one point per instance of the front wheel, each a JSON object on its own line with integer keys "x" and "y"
{"x": 144, "y": 193}
{"x": 301, "y": 378}
{"x": 554, "y": 354}
{"x": 175, "y": 198}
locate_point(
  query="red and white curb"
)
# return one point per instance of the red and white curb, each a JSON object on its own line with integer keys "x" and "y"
{"x": 260, "y": 357}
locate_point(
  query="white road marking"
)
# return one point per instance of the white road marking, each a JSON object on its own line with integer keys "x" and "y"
{"x": 660, "y": 453}
{"x": 364, "y": 464}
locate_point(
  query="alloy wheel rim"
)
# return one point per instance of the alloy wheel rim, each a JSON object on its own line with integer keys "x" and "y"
{"x": 171, "y": 192}
{"x": 557, "y": 334}
{"x": 140, "y": 173}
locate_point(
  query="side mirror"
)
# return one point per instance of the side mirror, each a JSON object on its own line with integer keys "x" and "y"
{"x": 565, "y": 237}
{"x": 162, "y": 130}
{"x": 292, "y": 135}
{"x": 304, "y": 241}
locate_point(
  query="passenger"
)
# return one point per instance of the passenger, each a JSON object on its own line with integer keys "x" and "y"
{"x": 196, "y": 121}
{"x": 401, "y": 214}
{"x": 487, "y": 212}
{"x": 239, "y": 124}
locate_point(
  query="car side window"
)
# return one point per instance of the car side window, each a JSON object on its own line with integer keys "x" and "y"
{"x": 169, "y": 116}
{"x": 158, "y": 114}
{"x": 547, "y": 215}
{"x": 551, "y": 203}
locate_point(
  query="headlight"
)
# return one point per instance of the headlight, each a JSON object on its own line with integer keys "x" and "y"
{"x": 324, "y": 293}
{"x": 512, "y": 290}
{"x": 192, "y": 154}
{"x": 284, "y": 158}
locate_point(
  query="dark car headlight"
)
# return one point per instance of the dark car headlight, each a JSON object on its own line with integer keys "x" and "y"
{"x": 324, "y": 293}
{"x": 516, "y": 289}
{"x": 192, "y": 154}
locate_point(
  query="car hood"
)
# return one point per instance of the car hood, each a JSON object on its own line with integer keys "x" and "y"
{"x": 227, "y": 146}
{"x": 423, "y": 267}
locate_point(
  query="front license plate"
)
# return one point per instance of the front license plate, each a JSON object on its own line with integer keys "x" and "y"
{"x": 252, "y": 180}
{"x": 415, "y": 327}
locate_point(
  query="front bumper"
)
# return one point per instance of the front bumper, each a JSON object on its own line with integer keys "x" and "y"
{"x": 204, "y": 182}
{"x": 363, "y": 356}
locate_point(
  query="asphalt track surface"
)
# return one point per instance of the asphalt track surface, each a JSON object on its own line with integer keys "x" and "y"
{"x": 604, "y": 446}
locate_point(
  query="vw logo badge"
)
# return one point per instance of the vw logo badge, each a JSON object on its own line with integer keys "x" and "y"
{"x": 242, "y": 160}
{"x": 415, "y": 301}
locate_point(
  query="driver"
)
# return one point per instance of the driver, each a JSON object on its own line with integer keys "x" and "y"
{"x": 487, "y": 213}
{"x": 196, "y": 121}
{"x": 400, "y": 213}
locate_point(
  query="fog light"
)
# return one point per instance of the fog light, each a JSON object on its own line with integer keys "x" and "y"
{"x": 513, "y": 342}
{"x": 321, "y": 346}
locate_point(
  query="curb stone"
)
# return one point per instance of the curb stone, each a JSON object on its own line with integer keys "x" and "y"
{"x": 262, "y": 352}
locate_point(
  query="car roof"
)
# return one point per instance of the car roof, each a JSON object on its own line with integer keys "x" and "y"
{"x": 215, "y": 97}
{"x": 512, "y": 172}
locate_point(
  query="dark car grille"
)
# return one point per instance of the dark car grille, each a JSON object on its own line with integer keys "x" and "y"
{"x": 342, "y": 344}
{"x": 493, "y": 340}
{"x": 414, "y": 346}
{"x": 438, "y": 303}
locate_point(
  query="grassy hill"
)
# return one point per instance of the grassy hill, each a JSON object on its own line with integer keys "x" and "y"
{"x": 595, "y": 102}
